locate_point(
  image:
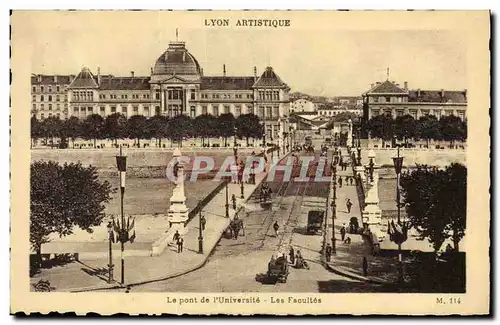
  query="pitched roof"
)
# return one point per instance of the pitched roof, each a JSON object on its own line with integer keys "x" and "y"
{"x": 227, "y": 83}
{"x": 50, "y": 79}
{"x": 269, "y": 79}
{"x": 438, "y": 96}
{"x": 124, "y": 83}
{"x": 386, "y": 87}
{"x": 85, "y": 79}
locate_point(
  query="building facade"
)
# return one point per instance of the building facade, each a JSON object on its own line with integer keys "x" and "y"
{"x": 176, "y": 86}
{"x": 391, "y": 99}
{"x": 302, "y": 105}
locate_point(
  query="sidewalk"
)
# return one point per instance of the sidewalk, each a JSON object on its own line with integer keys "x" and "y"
{"x": 349, "y": 258}
{"x": 87, "y": 275}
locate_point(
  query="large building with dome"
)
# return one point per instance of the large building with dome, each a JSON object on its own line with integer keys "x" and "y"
{"x": 176, "y": 86}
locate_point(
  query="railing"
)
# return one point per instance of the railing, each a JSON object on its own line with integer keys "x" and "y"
{"x": 206, "y": 200}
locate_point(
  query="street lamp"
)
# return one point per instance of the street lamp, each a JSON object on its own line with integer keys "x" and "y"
{"x": 124, "y": 227}
{"x": 334, "y": 202}
{"x": 399, "y": 238}
{"x": 227, "y": 198}
{"x": 359, "y": 156}
{"x": 111, "y": 238}
{"x": 264, "y": 133}
{"x": 200, "y": 236}
{"x": 235, "y": 149}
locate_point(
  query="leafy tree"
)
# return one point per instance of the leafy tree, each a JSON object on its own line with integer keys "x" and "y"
{"x": 248, "y": 126}
{"x": 35, "y": 130}
{"x": 93, "y": 128}
{"x": 51, "y": 128}
{"x": 137, "y": 128}
{"x": 115, "y": 127}
{"x": 436, "y": 202}
{"x": 72, "y": 128}
{"x": 381, "y": 126}
{"x": 452, "y": 128}
{"x": 226, "y": 126}
{"x": 157, "y": 127}
{"x": 63, "y": 197}
{"x": 203, "y": 127}
{"x": 178, "y": 128}
{"x": 404, "y": 127}
{"x": 428, "y": 128}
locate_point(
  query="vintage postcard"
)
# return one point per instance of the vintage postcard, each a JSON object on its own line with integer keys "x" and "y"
{"x": 250, "y": 162}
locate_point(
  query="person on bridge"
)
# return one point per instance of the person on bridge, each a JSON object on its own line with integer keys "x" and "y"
{"x": 328, "y": 252}
{"x": 351, "y": 180}
{"x": 348, "y": 204}
{"x": 291, "y": 254}
{"x": 233, "y": 200}
{"x": 180, "y": 243}
{"x": 342, "y": 232}
{"x": 176, "y": 236}
{"x": 276, "y": 227}
{"x": 340, "y": 181}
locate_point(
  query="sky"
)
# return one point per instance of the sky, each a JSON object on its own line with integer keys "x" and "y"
{"x": 310, "y": 57}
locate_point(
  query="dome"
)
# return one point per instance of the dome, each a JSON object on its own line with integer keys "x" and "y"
{"x": 176, "y": 60}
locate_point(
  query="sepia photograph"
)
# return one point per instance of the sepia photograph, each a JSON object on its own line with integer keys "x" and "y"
{"x": 252, "y": 159}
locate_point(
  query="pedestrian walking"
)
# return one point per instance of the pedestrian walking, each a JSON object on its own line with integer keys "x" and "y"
{"x": 233, "y": 200}
{"x": 180, "y": 243}
{"x": 276, "y": 227}
{"x": 342, "y": 232}
{"x": 348, "y": 204}
{"x": 328, "y": 252}
{"x": 340, "y": 181}
{"x": 347, "y": 180}
{"x": 365, "y": 266}
{"x": 351, "y": 180}
{"x": 176, "y": 236}
{"x": 292, "y": 255}
{"x": 203, "y": 222}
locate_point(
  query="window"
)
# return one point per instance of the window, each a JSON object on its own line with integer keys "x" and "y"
{"x": 57, "y": 98}
{"x": 124, "y": 96}
{"x": 261, "y": 112}
{"x": 413, "y": 113}
{"x": 388, "y": 99}
{"x": 50, "y": 98}
{"x": 250, "y": 109}
{"x": 33, "y": 98}
{"x": 41, "y": 89}
{"x": 437, "y": 114}
{"x": 157, "y": 95}
{"x": 50, "y": 89}
{"x": 249, "y": 96}
{"x": 58, "y": 115}
{"x": 34, "y": 107}
{"x": 42, "y": 116}
{"x": 226, "y": 109}
{"x": 58, "y": 107}
{"x": 276, "y": 111}
{"x": 145, "y": 110}
{"x": 89, "y": 109}
{"x": 41, "y": 106}
{"x": 136, "y": 110}
{"x": 58, "y": 88}
{"x": 193, "y": 110}
{"x": 269, "y": 112}
{"x": 145, "y": 96}
{"x": 375, "y": 112}
{"x": 204, "y": 96}
{"x": 50, "y": 114}
{"x": 276, "y": 95}
{"x": 237, "y": 110}
{"x": 157, "y": 110}
{"x": 261, "y": 95}
{"x": 34, "y": 89}
{"x": 193, "y": 95}
{"x": 215, "y": 96}
{"x": 204, "y": 110}
{"x": 449, "y": 112}
{"x": 113, "y": 109}
{"x": 41, "y": 98}
{"x": 215, "y": 109}
{"x": 461, "y": 115}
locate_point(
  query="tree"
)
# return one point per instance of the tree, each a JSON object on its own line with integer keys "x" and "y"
{"x": 248, "y": 126}
{"x": 226, "y": 126}
{"x": 63, "y": 197}
{"x": 178, "y": 128}
{"x": 115, "y": 126}
{"x": 157, "y": 128}
{"x": 452, "y": 128}
{"x": 51, "y": 128}
{"x": 381, "y": 126}
{"x": 203, "y": 127}
{"x": 428, "y": 128}
{"x": 72, "y": 128}
{"x": 404, "y": 127}
{"x": 137, "y": 128}
{"x": 35, "y": 130}
{"x": 93, "y": 128}
{"x": 436, "y": 202}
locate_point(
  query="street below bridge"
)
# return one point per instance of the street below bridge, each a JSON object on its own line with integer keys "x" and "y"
{"x": 239, "y": 265}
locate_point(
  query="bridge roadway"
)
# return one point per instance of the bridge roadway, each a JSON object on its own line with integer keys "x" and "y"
{"x": 237, "y": 264}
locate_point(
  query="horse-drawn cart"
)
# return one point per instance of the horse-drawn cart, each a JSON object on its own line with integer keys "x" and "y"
{"x": 277, "y": 270}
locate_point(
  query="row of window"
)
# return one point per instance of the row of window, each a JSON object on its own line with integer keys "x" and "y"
{"x": 388, "y": 99}
{"x": 49, "y": 98}
{"x": 225, "y": 96}
{"x": 269, "y": 95}
{"x": 414, "y": 113}
{"x": 49, "y": 88}
{"x": 42, "y": 115}
{"x": 49, "y": 107}
{"x": 83, "y": 95}
{"x": 123, "y": 96}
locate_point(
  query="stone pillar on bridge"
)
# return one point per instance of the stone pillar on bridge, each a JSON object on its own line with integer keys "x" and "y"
{"x": 178, "y": 211}
{"x": 372, "y": 214}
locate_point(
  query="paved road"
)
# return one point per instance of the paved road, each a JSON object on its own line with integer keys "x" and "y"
{"x": 237, "y": 265}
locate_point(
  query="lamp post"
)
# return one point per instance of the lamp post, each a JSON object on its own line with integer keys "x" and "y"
{"x": 264, "y": 133}
{"x": 371, "y": 165}
{"x": 227, "y": 198}
{"x": 235, "y": 147}
{"x": 335, "y": 160}
{"x": 359, "y": 136}
{"x": 124, "y": 227}
{"x": 359, "y": 156}
{"x": 111, "y": 240}
{"x": 398, "y": 166}
{"x": 200, "y": 236}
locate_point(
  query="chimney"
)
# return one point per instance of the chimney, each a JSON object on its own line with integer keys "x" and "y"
{"x": 255, "y": 72}
{"x": 151, "y": 70}
{"x": 99, "y": 76}
{"x": 418, "y": 93}
{"x": 39, "y": 78}
{"x": 55, "y": 79}
{"x": 132, "y": 74}
{"x": 406, "y": 84}
{"x": 465, "y": 94}
{"x": 224, "y": 70}
{"x": 442, "y": 93}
